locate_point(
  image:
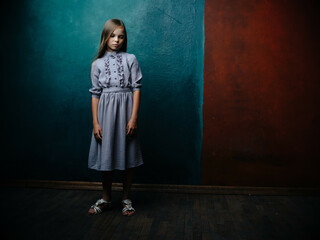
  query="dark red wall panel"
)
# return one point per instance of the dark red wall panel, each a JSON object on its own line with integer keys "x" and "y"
{"x": 261, "y": 93}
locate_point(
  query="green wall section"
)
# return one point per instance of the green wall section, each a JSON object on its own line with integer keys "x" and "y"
{"x": 46, "y": 120}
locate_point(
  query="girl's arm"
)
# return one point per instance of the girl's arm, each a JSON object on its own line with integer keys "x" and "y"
{"x": 136, "y": 77}
{"x": 94, "y": 105}
{"x": 96, "y": 92}
{"x": 96, "y": 126}
{"x": 136, "y": 104}
{"x": 132, "y": 125}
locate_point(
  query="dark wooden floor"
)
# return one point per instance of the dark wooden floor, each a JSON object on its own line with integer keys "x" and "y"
{"x": 33, "y": 213}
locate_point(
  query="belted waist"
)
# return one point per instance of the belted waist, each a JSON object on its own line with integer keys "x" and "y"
{"x": 116, "y": 89}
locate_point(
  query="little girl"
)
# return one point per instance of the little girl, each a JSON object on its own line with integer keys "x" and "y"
{"x": 115, "y": 77}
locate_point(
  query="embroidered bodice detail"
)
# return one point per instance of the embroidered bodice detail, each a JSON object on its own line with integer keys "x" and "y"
{"x": 120, "y": 70}
{"x": 115, "y": 69}
{"x": 108, "y": 71}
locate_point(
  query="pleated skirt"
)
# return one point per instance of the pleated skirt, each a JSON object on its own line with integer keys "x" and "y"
{"x": 116, "y": 150}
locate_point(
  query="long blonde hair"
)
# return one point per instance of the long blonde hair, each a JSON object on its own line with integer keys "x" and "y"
{"x": 107, "y": 30}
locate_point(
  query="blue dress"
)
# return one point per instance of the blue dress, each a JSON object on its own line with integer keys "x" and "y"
{"x": 114, "y": 78}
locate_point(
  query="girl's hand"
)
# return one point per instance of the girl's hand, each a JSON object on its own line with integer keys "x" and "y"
{"x": 97, "y": 131}
{"x": 132, "y": 127}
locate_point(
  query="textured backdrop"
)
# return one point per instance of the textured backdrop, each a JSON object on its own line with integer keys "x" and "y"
{"x": 47, "y": 120}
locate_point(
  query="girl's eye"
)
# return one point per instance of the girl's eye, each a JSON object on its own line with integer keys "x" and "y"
{"x": 121, "y": 36}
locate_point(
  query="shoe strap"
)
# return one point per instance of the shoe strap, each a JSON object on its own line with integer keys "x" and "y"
{"x": 101, "y": 201}
{"x": 95, "y": 206}
{"x": 128, "y": 206}
{"x": 127, "y": 201}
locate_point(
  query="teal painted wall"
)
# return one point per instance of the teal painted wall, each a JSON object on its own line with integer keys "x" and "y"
{"x": 46, "y": 104}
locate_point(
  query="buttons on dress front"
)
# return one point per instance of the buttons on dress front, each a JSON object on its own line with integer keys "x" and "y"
{"x": 119, "y": 68}
{"x": 107, "y": 70}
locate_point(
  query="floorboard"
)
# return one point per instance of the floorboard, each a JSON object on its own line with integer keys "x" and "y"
{"x": 38, "y": 213}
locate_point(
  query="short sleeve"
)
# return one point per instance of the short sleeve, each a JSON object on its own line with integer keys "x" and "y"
{"x": 95, "y": 90}
{"x": 136, "y": 75}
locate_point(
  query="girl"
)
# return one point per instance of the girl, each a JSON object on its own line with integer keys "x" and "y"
{"x": 116, "y": 82}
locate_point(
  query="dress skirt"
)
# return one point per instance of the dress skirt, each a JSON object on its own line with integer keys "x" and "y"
{"x": 116, "y": 150}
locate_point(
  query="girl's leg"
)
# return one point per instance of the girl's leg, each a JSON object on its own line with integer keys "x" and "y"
{"x": 107, "y": 185}
{"x": 127, "y": 176}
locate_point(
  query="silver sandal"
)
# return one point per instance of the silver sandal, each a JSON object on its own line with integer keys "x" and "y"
{"x": 97, "y": 207}
{"x": 128, "y": 206}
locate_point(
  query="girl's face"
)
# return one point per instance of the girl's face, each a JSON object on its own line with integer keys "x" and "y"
{"x": 116, "y": 39}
